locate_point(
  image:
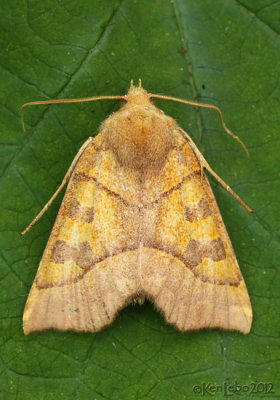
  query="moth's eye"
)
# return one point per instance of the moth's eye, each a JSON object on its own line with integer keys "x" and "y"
{"x": 123, "y": 102}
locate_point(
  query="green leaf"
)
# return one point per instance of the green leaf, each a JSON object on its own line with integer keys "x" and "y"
{"x": 222, "y": 52}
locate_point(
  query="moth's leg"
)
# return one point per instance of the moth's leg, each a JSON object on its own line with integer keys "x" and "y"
{"x": 204, "y": 164}
{"x": 64, "y": 181}
{"x": 201, "y": 173}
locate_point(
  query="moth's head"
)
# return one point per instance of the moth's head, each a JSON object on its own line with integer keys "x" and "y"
{"x": 137, "y": 95}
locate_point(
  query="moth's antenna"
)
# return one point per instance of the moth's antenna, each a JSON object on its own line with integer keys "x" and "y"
{"x": 131, "y": 83}
{"x": 140, "y": 82}
{"x": 193, "y": 103}
{"x": 85, "y": 99}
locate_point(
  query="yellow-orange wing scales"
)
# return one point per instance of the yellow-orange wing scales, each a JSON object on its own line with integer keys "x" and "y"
{"x": 138, "y": 219}
{"x": 188, "y": 266}
{"x": 88, "y": 270}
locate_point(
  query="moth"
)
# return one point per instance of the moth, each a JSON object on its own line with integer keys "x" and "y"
{"x": 138, "y": 220}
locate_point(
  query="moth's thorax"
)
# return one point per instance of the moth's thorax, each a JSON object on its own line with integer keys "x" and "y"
{"x": 139, "y": 134}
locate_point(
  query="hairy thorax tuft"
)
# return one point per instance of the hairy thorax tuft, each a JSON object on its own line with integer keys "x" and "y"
{"x": 140, "y": 136}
